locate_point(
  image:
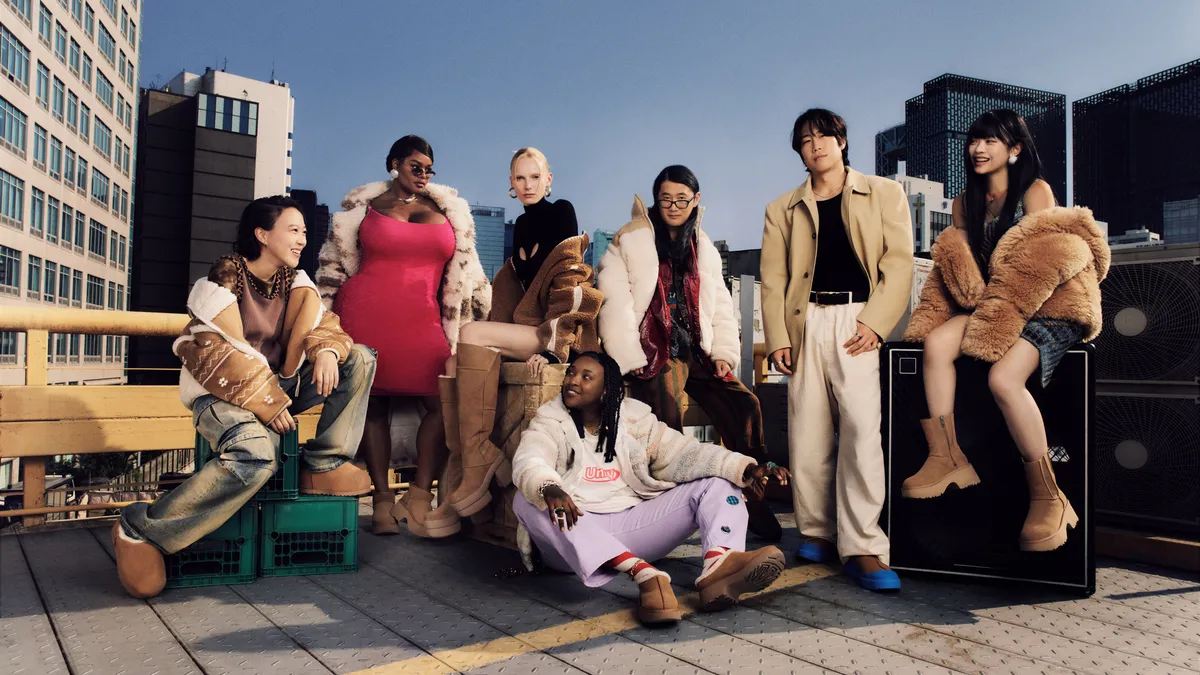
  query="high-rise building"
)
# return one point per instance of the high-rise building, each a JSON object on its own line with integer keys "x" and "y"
{"x": 598, "y": 244}
{"x": 271, "y": 123}
{"x": 929, "y": 208}
{"x": 509, "y": 226}
{"x": 889, "y": 151}
{"x": 195, "y": 176}
{"x": 316, "y": 220}
{"x": 936, "y": 123}
{"x": 1181, "y": 221}
{"x": 1135, "y": 145}
{"x": 1134, "y": 239}
{"x": 67, "y": 94}
{"x": 489, "y": 237}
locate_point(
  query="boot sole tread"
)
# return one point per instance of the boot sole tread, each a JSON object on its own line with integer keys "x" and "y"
{"x": 962, "y": 478}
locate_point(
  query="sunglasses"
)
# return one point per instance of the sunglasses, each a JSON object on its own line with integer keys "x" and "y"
{"x": 417, "y": 171}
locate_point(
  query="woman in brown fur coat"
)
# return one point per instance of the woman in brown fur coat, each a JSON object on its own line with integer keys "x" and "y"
{"x": 1016, "y": 283}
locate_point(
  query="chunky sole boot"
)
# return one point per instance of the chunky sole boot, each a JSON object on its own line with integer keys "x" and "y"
{"x": 740, "y": 573}
{"x": 140, "y": 565}
{"x": 345, "y": 481}
{"x": 382, "y": 521}
{"x": 656, "y": 601}
{"x": 478, "y": 384}
{"x": 415, "y": 507}
{"x": 946, "y": 464}
{"x": 1050, "y": 514}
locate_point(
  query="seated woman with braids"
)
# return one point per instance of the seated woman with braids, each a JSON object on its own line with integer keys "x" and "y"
{"x": 605, "y": 487}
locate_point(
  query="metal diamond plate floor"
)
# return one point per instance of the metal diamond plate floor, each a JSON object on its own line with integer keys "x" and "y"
{"x": 420, "y": 607}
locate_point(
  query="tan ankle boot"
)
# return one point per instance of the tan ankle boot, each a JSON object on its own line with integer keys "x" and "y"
{"x": 946, "y": 464}
{"x": 656, "y": 601}
{"x": 478, "y": 383}
{"x": 1050, "y": 514}
{"x": 382, "y": 521}
{"x": 415, "y": 507}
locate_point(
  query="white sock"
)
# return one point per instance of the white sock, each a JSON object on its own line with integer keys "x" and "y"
{"x": 713, "y": 560}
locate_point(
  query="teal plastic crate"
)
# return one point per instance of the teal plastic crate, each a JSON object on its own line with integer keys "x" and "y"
{"x": 308, "y": 535}
{"x": 226, "y": 556}
{"x": 284, "y": 484}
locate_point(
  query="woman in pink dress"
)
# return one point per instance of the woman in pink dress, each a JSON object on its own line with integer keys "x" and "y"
{"x": 401, "y": 270}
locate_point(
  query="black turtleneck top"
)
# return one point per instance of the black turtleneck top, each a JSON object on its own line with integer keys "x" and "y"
{"x": 539, "y": 231}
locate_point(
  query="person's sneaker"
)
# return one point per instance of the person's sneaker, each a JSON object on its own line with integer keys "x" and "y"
{"x": 817, "y": 550}
{"x": 870, "y": 573}
{"x": 345, "y": 481}
{"x": 739, "y": 573}
{"x": 140, "y": 565}
{"x": 656, "y": 601}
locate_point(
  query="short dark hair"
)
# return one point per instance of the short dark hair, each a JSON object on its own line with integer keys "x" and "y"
{"x": 406, "y": 146}
{"x": 260, "y": 213}
{"x": 825, "y": 121}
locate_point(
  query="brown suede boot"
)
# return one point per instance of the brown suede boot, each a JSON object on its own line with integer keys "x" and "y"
{"x": 415, "y": 507}
{"x": 478, "y": 383}
{"x": 946, "y": 464}
{"x": 345, "y": 481}
{"x": 1050, "y": 514}
{"x": 140, "y": 565}
{"x": 444, "y": 515}
{"x": 656, "y": 601}
{"x": 382, "y": 522}
{"x": 739, "y": 573}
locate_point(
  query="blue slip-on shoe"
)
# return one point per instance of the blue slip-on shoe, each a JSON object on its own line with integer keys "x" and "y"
{"x": 875, "y": 577}
{"x": 817, "y": 550}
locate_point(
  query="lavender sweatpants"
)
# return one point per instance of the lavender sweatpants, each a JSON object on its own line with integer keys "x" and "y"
{"x": 649, "y": 530}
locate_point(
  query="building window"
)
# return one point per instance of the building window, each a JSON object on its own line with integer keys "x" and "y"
{"x": 76, "y": 295}
{"x": 121, "y": 253}
{"x": 95, "y": 292}
{"x": 64, "y": 288}
{"x": 80, "y": 230}
{"x": 124, "y": 206}
{"x": 125, "y": 161}
{"x": 10, "y": 271}
{"x": 73, "y": 57}
{"x": 112, "y": 247}
{"x": 12, "y": 200}
{"x": 12, "y": 127}
{"x": 89, "y": 21}
{"x": 43, "y": 86}
{"x": 120, "y": 108}
{"x": 77, "y": 10}
{"x": 100, "y": 187}
{"x": 60, "y": 99}
{"x": 104, "y": 90}
{"x": 24, "y": 8}
{"x": 128, "y": 116}
{"x": 8, "y": 354}
{"x": 86, "y": 73}
{"x": 69, "y": 167}
{"x": 37, "y": 211}
{"x": 115, "y": 204}
{"x": 51, "y": 281}
{"x": 121, "y": 63}
{"x": 56, "y": 153}
{"x": 103, "y": 140}
{"x": 85, "y": 121}
{"x": 45, "y": 25}
{"x": 68, "y": 215}
{"x": 74, "y": 345}
{"x": 112, "y": 295}
{"x": 39, "y": 147}
{"x": 97, "y": 239}
{"x": 60, "y": 42}
{"x": 111, "y": 6}
{"x": 93, "y": 346}
{"x": 53, "y": 214}
{"x": 72, "y": 110}
{"x": 35, "y": 278}
{"x": 81, "y": 177}
{"x": 108, "y": 46}
{"x": 14, "y": 59}
{"x": 129, "y": 73}
{"x": 227, "y": 114}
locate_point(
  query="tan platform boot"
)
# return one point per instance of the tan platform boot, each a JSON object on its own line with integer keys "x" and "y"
{"x": 1050, "y": 514}
{"x": 946, "y": 464}
{"x": 382, "y": 521}
{"x": 478, "y": 384}
{"x": 444, "y": 516}
{"x": 415, "y": 507}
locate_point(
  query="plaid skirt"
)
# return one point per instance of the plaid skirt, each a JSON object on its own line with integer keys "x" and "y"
{"x": 1052, "y": 337}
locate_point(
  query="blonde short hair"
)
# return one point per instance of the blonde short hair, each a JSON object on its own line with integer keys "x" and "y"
{"x": 532, "y": 153}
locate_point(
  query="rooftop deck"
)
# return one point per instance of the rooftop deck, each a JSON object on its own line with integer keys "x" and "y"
{"x": 418, "y": 607}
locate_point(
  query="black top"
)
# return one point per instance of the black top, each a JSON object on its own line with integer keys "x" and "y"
{"x": 537, "y": 232}
{"x": 837, "y": 268}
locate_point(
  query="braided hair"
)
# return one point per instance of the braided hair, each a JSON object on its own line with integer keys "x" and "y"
{"x": 610, "y": 402}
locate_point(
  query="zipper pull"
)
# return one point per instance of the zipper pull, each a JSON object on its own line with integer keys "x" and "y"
{"x": 942, "y": 421}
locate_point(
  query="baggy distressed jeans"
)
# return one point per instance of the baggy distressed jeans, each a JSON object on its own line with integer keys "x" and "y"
{"x": 246, "y": 454}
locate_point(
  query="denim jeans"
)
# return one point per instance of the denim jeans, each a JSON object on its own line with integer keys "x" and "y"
{"x": 246, "y": 451}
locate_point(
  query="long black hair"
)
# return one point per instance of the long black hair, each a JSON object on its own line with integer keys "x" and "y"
{"x": 260, "y": 213}
{"x": 679, "y": 250}
{"x": 1010, "y": 129}
{"x": 610, "y": 404}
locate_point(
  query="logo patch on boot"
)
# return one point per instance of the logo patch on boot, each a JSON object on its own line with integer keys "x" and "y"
{"x": 733, "y": 501}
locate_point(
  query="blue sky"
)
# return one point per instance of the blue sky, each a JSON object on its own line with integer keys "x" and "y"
{"x": 612, "y": 91}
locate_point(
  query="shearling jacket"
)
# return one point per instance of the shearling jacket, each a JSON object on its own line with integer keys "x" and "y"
{"x": 561, "y": 302}
{"x": 465, "y": 294}
{"x": 628, "y": 278}
{"x": 875, "y": 214}
{"x": 1049, "y": 266}
{"x": 217, "y": 359}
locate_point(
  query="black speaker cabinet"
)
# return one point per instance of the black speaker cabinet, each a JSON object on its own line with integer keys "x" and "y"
{"x": 973, "y": 532}
{"x": 773, "y": 397}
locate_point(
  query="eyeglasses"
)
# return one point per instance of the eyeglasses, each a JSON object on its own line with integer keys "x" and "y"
{"x": 677, "y": 203}
{"x": 417, "y": 171}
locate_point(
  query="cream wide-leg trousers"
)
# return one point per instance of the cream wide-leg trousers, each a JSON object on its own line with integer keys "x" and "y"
{"x": 838, "y": 491}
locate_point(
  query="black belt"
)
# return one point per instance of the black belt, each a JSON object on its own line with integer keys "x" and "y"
{"x": 831, "y": 297}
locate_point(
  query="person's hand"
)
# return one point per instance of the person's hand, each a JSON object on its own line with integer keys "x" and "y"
{"x": 325, "y": 373}
{"x": 723, "y": 369}
{"x": 283, "y": 423}
{"x": 563, "y": 511}
{"x": 781, "y": 359}
{"x": 864, "y": 340}
{"x": 535, "y": 364}
{"x": 757, "y": 475}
